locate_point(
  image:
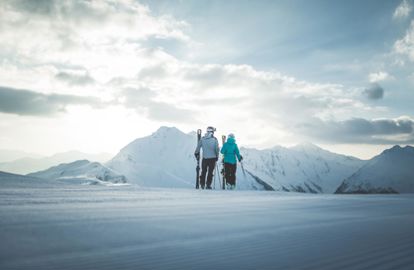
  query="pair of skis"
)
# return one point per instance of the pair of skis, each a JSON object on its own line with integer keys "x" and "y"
{"x": 198, "y": 161}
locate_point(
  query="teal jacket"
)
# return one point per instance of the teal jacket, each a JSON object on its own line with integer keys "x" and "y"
{"x": 230, "y": 151}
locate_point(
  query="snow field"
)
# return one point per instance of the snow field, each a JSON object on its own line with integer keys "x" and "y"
{"x": 67, "y": 226}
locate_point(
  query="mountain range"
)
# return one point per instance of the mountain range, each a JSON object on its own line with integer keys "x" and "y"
{"x": 165, "y": 159}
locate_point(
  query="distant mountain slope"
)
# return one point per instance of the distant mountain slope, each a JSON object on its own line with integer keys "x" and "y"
{"x": 390, "y": 172}
{"x": 17, "y": 180}
{"x": 165, "y": 159}
{"x": 303, "y": 168}
{"x": 82, "y": 171}
{"x": 7, "y": 155}
{"x": 28, "y": 165}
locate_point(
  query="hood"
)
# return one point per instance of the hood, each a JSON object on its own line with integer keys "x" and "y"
{"x": 231, "y": 140}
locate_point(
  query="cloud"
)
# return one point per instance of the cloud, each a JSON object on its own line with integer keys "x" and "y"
{"x": 403, "y": 10}
{"x": 26, "y": 102}
{"x": 379, "y": 76}
{"x": 120, "y": 51}
{"x": 360, "y": 130}
{"x": 374, "y": 92}
{"x": 75, "y": 79}
{"x": 233, "y": 96}
{"x": 106, "y": 38}
{"x": 405, "y": 46}
{"x": 143, "y": 100}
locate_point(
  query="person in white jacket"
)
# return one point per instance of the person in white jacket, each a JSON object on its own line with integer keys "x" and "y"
{"x": 210, "y": 147}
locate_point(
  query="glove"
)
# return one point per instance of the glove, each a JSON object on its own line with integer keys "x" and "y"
{"x": 241, "y": 158}
{"x": 197, "y": 155}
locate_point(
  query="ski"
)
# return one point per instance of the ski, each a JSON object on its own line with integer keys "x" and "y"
{"x": 223, "y": 171}
{"x": 198, "y": 161}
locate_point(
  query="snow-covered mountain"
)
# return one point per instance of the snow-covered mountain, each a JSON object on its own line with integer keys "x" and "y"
{"x": 165, "y": 159}
{"x": 390, "y": 172}
{"x": 81, "y": 171}
{"x": 27, "y": 165}
{"x": 303, "y": 168}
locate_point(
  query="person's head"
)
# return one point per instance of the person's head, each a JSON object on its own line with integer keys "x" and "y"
{"x": 231, "y": 136}
{"x": 211, "y": 129}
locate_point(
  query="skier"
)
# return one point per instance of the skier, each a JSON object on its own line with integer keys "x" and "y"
{"x": 210, "y": 147}
{"x": 230, "y": 151}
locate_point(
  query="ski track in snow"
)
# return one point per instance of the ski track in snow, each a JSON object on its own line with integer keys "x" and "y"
{"x": 66, "y": 226}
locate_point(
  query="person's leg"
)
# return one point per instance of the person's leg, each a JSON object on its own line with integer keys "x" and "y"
{"x": 211, "y": 165}
{"x": 232, "y": 176}
{"x": 204, "y": 164}
{"x": 227, "y": 167}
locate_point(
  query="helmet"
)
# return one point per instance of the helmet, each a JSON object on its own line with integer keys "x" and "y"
{"x": 231, "y": 135}
{"x": 211, "y": 129}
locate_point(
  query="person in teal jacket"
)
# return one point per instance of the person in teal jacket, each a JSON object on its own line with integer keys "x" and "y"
{"x": 230, "y": 151}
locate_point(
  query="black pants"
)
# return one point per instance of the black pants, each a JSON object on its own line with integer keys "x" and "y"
{"x": 207, "y": 165}
{"x": 230, "y": 173}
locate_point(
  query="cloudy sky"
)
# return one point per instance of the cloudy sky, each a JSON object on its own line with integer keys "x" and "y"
{"x": 94, "y": 75}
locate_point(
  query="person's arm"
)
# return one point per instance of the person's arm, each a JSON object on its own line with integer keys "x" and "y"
{"x": 217, "y": 148}
{"x": 223, "y": 149}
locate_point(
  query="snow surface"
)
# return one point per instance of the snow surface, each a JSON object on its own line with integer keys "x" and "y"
{"x": 165, "y": 159}
{"x": 66, "y": 226}
{"x": 390, "y": 172}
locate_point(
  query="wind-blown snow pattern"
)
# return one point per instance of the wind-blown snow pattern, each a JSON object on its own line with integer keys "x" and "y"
{"x": 66, "y": 226}
{"x": 165, "y": 159}
{"x": 82, "y": 171}
{"x": 390, "y": 172}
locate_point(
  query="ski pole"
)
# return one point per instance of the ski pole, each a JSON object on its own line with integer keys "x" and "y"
{"x": 244, "y": 173}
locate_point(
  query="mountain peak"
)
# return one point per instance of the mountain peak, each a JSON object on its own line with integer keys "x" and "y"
{"x": 306, "y": 146}
{"x": 397, "y": 149}
{"x": 167, "y": 130}
{"x": 393, "y": 150}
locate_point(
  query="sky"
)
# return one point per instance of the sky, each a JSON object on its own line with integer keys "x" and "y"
{"x": 95, "y": 75}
